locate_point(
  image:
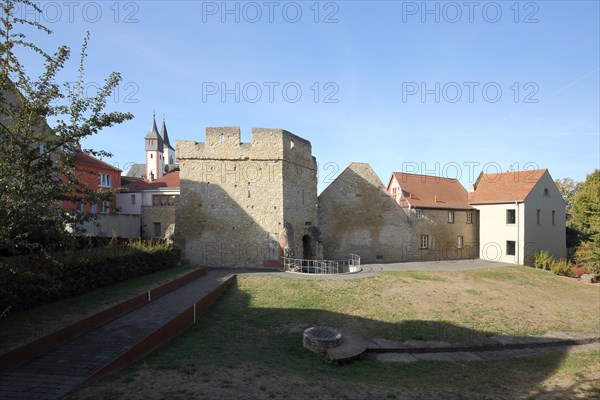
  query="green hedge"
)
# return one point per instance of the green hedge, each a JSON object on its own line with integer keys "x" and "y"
{"x": 30, "y": 281}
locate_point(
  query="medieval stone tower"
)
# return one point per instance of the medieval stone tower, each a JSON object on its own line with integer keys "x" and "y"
{"x": 247, "y": 204}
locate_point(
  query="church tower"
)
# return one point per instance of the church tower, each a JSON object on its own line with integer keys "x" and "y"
{"x": 169, "y": 151}
{"x": 155, "y": 163}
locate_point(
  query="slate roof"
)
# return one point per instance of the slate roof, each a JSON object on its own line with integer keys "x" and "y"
{"x": 165, "y": 135}
{"x": 505, "y": 187}
{"x": 153, "y": 134}
{"x": 137, "y": 171}
{"x": 426, "y": 191}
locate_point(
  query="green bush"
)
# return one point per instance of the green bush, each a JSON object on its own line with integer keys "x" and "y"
{"x": 588, "y": 255}
{"x": 561, "y": 267}
{"x": 29, "y": 281}
{"x": 542, "y": 259}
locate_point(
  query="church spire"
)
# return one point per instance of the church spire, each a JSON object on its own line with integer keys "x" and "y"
{"x": 165, "y": 135}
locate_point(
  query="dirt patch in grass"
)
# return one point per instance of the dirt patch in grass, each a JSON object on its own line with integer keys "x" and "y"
{"x": 500, "y": 379}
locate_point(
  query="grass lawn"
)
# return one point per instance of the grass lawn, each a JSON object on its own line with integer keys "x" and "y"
{"x": 249, "y": 344}
{"x": 25, "y": 326}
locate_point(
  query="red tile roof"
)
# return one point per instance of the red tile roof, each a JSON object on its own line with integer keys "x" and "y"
{"x": 86, "y": 159}
{"x": 170, "y": 180}
{"x": 427, "y": 191}
{"x": 505, "y": 187}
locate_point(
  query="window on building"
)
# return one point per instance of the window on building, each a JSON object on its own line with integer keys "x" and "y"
{"x": 424, "y": 242}
{"x": 157, "y": 229}
{"x": 164, "y": 200}
{"x": 459, "y": 242}
{"x": 151, "y": 155}
{"x": 451, "y": 217}
{"x": 418, "y": 213}
{"x": 511, "y": 216}
{"x": 133, "y": 199}
{"x": 546, "y": 192}
{"x": 94, "y": 208}
{"x": 538, "y": 217}
{"x": 510, "y": 247}
{"x": 469, "y": 217}
{"x": 105, "y": 180}
{"x": 79, "y": 206}
{"x": 105, "y": 207}
{"x": 553, "y": 217}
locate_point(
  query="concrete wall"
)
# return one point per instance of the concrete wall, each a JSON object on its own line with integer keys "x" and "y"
{"x": 494, "y": 232}
{"x": 545, "y": 235}
{"x": 125, "y": 204}
{"x": 241, "y": 203}
{"x": 163, "y": 215}
{"x": 443, "y": 236}
{"x": 120, "y": 225}
{"x": 357, "y": 215}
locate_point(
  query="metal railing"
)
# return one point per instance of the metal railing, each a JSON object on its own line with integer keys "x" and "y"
{"x": 351, "y": 264}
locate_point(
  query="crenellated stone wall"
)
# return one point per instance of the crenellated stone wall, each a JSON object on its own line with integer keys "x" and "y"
{"x": 246, "y": 204}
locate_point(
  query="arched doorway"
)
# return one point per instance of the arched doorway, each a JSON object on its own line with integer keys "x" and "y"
{"x": 307, "y": 248}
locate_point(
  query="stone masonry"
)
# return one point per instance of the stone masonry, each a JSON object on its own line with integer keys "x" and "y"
{"x": 247, "y": 204}
{"x": 357, "y": 215}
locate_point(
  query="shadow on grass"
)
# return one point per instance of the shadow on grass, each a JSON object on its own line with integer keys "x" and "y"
{"x": 233, "y": 333}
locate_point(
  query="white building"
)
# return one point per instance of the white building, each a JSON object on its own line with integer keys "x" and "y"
{"x": 150, "y": 190}
{"x": 520, "y": 213}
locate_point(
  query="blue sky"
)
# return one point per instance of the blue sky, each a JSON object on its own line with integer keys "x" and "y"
{"x": 444, "y": 88}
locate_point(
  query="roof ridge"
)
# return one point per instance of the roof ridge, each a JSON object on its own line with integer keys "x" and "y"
{"x": 97, "y": 160}
{"x": 519, "y": 171}
{"x": 429, "y": 176}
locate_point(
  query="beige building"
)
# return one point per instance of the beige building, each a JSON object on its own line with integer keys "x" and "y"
{"x": 247, "y": 204}
{"x": 521, "y": 212}
{"x": 154, "y": 202}
{"x": 443, "y": 224}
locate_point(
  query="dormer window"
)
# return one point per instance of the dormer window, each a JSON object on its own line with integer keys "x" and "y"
{"x": 222, "y": 138}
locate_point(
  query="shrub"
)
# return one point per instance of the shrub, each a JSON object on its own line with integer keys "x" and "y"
{"x": 542, "y": 259}
{"x": 560, "y": 267}
{"x": 588, "y": 255}
{"x": 32, "y": 280}
{"x": 578, "y": 270}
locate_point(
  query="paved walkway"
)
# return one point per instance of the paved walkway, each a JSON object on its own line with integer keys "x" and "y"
{"x": 448, "y": 265}
{"x": 57, "y": 372}
{"x": 478, "y": 349}
{"x": 369, "y": 270}
{"x": 499, "y": 346}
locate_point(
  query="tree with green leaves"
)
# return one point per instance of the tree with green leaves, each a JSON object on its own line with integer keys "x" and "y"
{"x": 568, "y": 188}
{"x": 36, "y": 168}
{"x": 585, "y": 211}
{"x": 585, "y": 218}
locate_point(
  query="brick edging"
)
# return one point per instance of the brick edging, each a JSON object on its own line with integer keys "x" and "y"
{"x": 168, "y": 331}
{"x": 30, "y": 350}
